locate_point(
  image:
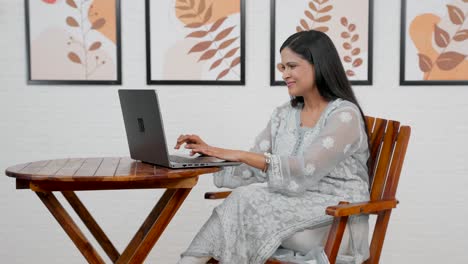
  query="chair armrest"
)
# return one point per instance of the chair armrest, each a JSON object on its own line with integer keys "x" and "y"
{"x": 359, "y": 208}
{"x": 216, "y": 195}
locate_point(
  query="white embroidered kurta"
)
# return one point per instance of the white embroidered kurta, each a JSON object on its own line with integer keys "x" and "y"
{"x": 311, "y": 169}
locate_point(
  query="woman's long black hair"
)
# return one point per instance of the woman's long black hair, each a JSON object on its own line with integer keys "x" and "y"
{"x": 330, "y": 77}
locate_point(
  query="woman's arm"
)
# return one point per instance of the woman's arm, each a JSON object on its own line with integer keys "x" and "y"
{"x": 252, "y": 159}
{"x": 342, "y": 134}
{"x": 197, "y": 145}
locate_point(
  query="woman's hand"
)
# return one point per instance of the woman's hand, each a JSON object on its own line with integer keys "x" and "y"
{"x": 197, "y": 145}
{"x": 220, "y": 153}
{"x": 189, "y": 139}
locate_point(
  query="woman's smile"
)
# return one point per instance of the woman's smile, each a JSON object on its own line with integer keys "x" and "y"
{"x": 290, "y": 83}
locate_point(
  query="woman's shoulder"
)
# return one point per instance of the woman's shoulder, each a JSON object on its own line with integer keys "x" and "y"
{"x": 282, "y": 108}
{"x": 340, "y": 105}
{"x": 343, "y": 110}
{"x": 285, "y": 106}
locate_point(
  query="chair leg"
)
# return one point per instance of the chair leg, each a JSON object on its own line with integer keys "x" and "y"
{"x": 334, "y": 238}
{"x": 378, "y": 237}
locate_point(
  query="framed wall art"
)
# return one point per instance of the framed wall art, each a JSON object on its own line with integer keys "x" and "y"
{"x": 73, "y": 41}
{"x": 434, "y": 42}
{"x": 195, "y": 42}
{"x": 347, "y": 22}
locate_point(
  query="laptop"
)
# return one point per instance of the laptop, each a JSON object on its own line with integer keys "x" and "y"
{"x": 145, "y": 133}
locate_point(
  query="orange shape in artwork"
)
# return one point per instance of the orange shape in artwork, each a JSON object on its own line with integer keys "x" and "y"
{"x": 103, "y": 10}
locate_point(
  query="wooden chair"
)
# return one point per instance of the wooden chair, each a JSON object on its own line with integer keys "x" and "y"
{"x": 388, "y": 143}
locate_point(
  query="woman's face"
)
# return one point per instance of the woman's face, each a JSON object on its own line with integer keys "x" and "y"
{"x": 297, "y": 72}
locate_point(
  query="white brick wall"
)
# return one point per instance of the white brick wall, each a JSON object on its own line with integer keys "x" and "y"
{"x": 45, "y": 122}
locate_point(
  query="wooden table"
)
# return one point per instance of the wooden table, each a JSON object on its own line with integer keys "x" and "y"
{"x": 69, "y": 175}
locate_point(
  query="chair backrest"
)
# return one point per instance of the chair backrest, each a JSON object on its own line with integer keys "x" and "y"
{"x": 388, "y": 142}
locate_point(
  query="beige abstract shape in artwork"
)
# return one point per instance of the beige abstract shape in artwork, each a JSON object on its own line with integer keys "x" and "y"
{"x": 50, "y": 59}
{"x": 173, "y": 69}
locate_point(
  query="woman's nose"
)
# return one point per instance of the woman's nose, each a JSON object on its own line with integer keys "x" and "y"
{"x": 285, "y": 74}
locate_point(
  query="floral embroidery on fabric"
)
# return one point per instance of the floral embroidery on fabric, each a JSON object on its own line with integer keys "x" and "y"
{"x": 346, "y": 149}
{"x": 293, "y": 186}
{"x": 246, "y": 174}
{"x": 275, "y": 179}
{"x": 309, "y": 169}
{"x": 283, "y": 113}
{"x": 264, "y": 145}
{"x": 346, "y": 117}
{"x": 328, "y": 142}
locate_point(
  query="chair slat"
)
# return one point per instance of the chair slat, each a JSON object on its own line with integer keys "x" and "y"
{"x": 370, "y": 123}
{"x": 375, "y": 142}
{"x": 397, "y": 162}
{"x": 385, "y": 156}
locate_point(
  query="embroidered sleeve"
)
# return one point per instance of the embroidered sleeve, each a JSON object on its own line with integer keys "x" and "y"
{"x": 235, "y": 176}
{"x": 340, "y": 136}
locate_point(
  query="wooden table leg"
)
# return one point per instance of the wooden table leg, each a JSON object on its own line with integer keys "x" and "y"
{"x": 70, "y": 227}
{"x": 153, "y": 226}
{"x": 92, "y": 225}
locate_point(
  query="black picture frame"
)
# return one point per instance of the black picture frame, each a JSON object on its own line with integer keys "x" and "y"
{"x": 151, "y": 81}
{"x": 273, "y": 49}
{"x": 118, "y": 69}
{"x": 403, "y": 53}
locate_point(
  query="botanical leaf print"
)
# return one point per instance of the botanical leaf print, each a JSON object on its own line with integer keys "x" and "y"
{"x": 212, "y": 36}
{"x": 425, "y": 63}
{"x": 350, "y": 36}
{"x": 448, "y": 62}
{"x": 441, "y": 37}
{"x": 461, "y": 35}
{"x": 317, "y": 15}
{"x": 456, "y": 15}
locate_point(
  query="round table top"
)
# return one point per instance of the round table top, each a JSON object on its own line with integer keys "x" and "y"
{"x": 110, "y": 169}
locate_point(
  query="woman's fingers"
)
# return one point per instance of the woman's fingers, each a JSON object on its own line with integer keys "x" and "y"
{"x": 199, "y": 150}
{"x": 181, "y": 140}
{"x": 192, "y": 139}
{"x": 198, "y": 139}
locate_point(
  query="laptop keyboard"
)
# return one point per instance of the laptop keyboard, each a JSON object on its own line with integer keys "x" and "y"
{"x": 203, "y": 159}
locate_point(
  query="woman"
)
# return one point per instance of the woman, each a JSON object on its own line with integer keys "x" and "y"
{"x": 312, "y": 154}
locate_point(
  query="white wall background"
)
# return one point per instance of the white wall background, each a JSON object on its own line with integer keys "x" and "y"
{"x": 46, "y": 122}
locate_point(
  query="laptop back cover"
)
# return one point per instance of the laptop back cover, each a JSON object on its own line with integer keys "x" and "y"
{"x": 144, "y": 126}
